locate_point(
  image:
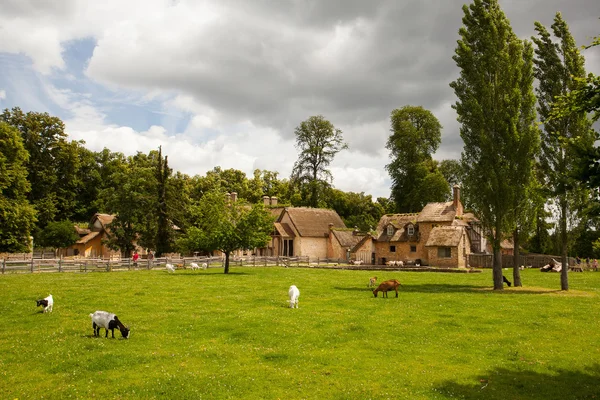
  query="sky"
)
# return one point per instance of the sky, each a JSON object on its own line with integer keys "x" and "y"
{"x": 225, "y": 82}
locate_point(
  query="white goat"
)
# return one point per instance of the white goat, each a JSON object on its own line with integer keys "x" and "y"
{"x": 294, "y": 293}
{"x": 170, "y": 268}
{"x": 196, "y": 266}
{"x": 108, "y": 321}
{"x": 47, "y": 302}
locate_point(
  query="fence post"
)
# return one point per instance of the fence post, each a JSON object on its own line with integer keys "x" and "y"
{"x": 3, "y": 265}
{"x": 85, "y": 265}
{"x": 60, "y": 264}
{"x": 32, "y": 263}
{"x": 148, "y": 262}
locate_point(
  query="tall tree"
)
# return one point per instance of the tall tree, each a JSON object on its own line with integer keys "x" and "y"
{"x": 17, "y": 216}
{"x": 493, "y": 107}
{"x": 227, "y": 226}
{"x": 416, "y": 181}
{"x": 557, "y": 65}
{"x": 58, "y": 235}
{"x": 163, "y": 224}
{"x": 318, "y": 141}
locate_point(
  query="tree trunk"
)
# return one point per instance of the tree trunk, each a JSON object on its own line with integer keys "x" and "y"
{"x": 564, "y": 276}
{"x": 497, "y": 268}
{"x": 516, "y": 256}
{"x": 226, "y": 262}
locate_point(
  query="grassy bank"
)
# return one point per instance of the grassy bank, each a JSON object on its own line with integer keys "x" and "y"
{"x": 209, "y": 335}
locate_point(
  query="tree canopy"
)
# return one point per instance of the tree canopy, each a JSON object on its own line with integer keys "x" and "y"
{"x": 416, "y": 180}
{"x": 318, "y": 142}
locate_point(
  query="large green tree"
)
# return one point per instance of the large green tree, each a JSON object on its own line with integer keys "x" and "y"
{"x": 495, "y": 110}
{"x": 318, "y": 142}
{"x": 416, "y": 180}
{"x": 227, "y": 226}
{"x": 17, "y": 216}
{"x": 53, "y": 163}
{"x": 58, "y": 234}
{"x": 558, "y": 65}
{"x": 164, "y": 225}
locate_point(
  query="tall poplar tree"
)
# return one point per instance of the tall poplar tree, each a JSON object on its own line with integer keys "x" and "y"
{"x": 559, "y": 68}
{"x": 496, "y": 111}
{"x": 163, "y": 223}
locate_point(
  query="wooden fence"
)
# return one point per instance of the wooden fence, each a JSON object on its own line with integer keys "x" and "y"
{"x": 36, "y": 265}
{"x": 528, "y": 260}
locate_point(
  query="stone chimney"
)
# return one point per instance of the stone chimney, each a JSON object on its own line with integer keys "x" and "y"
{"x": 266, "y": 200}
{"x": 273, "y": 201}
{"x": 227, "y": 198}
{"x": 456, "y": 200}
{"x": 233, "y": 197}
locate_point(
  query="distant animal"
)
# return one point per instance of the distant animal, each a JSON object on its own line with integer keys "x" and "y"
{"x": 108, "y": 321}
{"x": 170, "y": 268}
{"x": 294, "y": 293}
{"x": 47, "y": 302}
{"x": 194, "y": 266}
{"x": 372, "y": 281}
{"x": 506, "y": 281}
{"x": 384, "y": 287}
{"x": 357, "y": 262}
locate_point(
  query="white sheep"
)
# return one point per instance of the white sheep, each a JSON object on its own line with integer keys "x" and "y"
{"x": 294, "y": 293}
{"x": 47, "y": 302}
{"x": 170, "y": 268}
{"x": 108, "y": 321}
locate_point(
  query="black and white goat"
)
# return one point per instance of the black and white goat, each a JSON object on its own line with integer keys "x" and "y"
{"x": 47, "y": 302}
{"x": 106, "y": 320}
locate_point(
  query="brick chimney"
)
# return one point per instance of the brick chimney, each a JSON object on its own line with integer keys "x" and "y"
{"x": 456, "y": 200}
{"x": 273, "y": 201}
{"x": 227, "y": 198}
{"x": 266, "y": 200}
{"x": 233, "y": 197}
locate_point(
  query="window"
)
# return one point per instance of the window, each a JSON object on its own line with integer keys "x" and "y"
{"x": 392, "y": 249}
{"x": 444, "y": 252}
{"x": 413, "y": 249}
{"x": 410, "y": 230}
{"x": 390, "y": 230}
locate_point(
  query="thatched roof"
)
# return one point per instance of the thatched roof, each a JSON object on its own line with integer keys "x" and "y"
{"x": 87, "y": 237}
{"x": 82, "y": 231}
{"x": 284, "y": 230}
{"x": 398, "y": 221}
{"x": 437, "y": 212}
{"x": 314, "y": 222}
{"x": 348, "y": 238}
{"x": 445, "y": 236}
{"x": 105, "y": 219}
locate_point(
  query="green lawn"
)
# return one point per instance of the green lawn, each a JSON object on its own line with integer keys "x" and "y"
{"x": 203, "y": 334}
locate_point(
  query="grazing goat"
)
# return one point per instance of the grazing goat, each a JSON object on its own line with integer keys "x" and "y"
{"x": 387, "y": 285}
{"x": 294, "y": 293}
{"x": 170, "y": 268}
{"x": 106, "y": 320}
{"x": 196, "y": 266}
{"x": 372, "y": 281}
{"x": 47, "y": 302}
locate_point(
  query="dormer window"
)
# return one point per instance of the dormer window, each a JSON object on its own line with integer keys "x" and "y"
{"x": 410, "y": 230}
{"x": 390, "y": 230}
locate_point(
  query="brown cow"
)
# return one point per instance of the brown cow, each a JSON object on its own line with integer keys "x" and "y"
{"x": 392, "y": 284}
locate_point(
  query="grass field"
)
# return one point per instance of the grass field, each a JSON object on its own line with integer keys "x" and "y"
{"x": 206, "y": 335}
